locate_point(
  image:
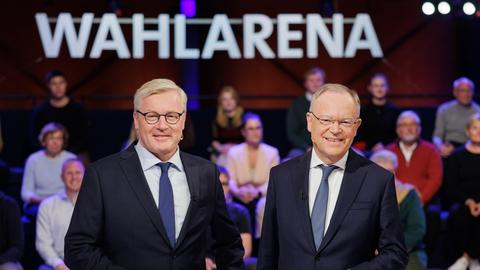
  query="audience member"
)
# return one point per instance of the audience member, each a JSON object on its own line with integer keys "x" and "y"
{"x": 241, "y": 218}
{"x": 452, "y": 117}
{"x": 11, "y": 232}
{"x": 41, "y": 177}
{"x": 297, "y": 132}
{"x": 419, "y": 163}
{"x": 62, "y": 109}
{"x": 249, "y": 164}
{"x": 226, "y": 129}
{"x": 54, "y": 216}
{"x": 378, "y": 117}
{"x": 462, "y": 180}
{"x": 411, "y": 212}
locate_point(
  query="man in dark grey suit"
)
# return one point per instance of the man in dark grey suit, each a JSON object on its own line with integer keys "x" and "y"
{"x": 149, "y": 207}
{"x": 331, "y": 208}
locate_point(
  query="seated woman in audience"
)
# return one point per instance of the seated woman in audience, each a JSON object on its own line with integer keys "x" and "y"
{"x": 462, "y": 180}
{"x": 41, "y": 177}
{"x": 249, "y": 164}
{"x": 411, "y": 212}
{"x": 227, "y": 125}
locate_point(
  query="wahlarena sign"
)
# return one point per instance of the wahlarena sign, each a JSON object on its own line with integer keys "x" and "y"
{"x": 257, "y": 28}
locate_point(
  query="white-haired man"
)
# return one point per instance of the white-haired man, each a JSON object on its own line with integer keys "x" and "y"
{"x": 149, "y": 207}
{"x": 452, "y": 117}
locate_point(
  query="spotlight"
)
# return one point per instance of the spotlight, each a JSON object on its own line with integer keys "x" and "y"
{"x": 469, "y": 8}
{"x": 444, "y": 7}
{"x": 428, "y": 8}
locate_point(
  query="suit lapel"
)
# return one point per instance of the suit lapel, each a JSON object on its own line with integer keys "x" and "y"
{"x": 352, "y": 181}
{"x": 299, "y": 178}
{"x": 193, "y": 179}
{"x": 130, "y": 164}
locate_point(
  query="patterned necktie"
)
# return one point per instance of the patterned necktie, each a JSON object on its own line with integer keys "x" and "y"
{"x": 319, "y": 212}
{"x": 165, "y": 203}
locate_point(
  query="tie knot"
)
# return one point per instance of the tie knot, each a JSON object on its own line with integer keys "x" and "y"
{"x": 327, "y": 170}
{"x": 164, "y": 166}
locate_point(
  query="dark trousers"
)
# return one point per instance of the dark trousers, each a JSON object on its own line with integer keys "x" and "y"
{"x": 464, "y": 232}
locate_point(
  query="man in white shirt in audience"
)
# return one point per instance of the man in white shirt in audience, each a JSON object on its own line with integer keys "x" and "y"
{"x": 54, "y": 216}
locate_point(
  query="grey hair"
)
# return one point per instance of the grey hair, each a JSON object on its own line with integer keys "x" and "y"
{"x": 339, "y": 89}
{"x": 411, "y": 114}
{"x": 157, "y": 86}
{"x": 385, "y": 155}
{"x": 465, "y": 80}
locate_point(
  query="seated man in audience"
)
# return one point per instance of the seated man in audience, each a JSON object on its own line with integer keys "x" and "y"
{"x": 54, "y": 217}
{"x": 378, "y": 117}
{"x": 240, "y": 216}
{"x": 411, "y": 213}
{"x": 11, "y": 232}
{"x": 62, "y": 109}
{"x": 419, "y": 163}
{"x": 452, "y": 117}
{"x": 297, "y": 132}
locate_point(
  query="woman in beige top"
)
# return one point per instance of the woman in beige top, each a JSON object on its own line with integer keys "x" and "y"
{"x": 249, "y": 164}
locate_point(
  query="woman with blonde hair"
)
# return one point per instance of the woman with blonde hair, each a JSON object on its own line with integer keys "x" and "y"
{"x": 462, "y": 186}
{"x": 227, "y": 125}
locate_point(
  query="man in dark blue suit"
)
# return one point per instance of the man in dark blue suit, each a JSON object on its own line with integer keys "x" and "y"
{"x": 150, "y": 206}
{"x": 331, "y": 208}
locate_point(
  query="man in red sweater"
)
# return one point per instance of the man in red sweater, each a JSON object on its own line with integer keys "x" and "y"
{"x": 419, "y": 163}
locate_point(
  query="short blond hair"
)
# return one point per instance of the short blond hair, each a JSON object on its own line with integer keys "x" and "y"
{"x": 474, "y": 118}
{"x": 334, "y": 87}
{"x": 157, "y": 86}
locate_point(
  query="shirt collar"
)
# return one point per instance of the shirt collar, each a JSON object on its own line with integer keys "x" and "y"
{"x": 403, "y": 147}
{"x": 316, "y": 161}
{"x": 308, "y": 96}
{"x": 148, "y": 160}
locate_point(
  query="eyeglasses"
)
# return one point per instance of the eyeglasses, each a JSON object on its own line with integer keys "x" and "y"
{"x": 152, "y": 117}
{"x": 328, "y": 122}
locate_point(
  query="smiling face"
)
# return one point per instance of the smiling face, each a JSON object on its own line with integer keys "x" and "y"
{"x": 408, "y": 130}
{"x": 161, "y": 138}
{"x": 331, "y": 142}
{"x": 72, "y": 175}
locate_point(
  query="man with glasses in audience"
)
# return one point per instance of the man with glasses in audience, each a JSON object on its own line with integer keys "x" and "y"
{"x": 331, "y": 208}
{"x": 150, "y": 206}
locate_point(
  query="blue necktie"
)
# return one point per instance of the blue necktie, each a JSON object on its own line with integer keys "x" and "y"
{"x": 165, "y": 203}
{"x": 319, "y": 212}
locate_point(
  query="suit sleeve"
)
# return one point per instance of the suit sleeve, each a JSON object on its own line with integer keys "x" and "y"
{"x": 84, "y": 237}
{"x": 268, "y": 251}
{"x": 228, "y": 244}
{"x": 392, "y": 253}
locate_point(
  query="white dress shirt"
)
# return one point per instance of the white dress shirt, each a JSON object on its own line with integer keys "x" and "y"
{"x": 178, "y": 179}
{"x": 334, "y": 183}
{"x": 407, "y": 151}
{"x": 53, "y": 219}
